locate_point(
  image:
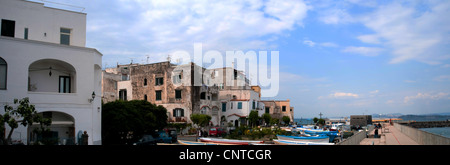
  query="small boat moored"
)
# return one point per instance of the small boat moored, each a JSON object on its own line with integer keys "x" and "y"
{"x": 316, "y": 139}
{"x": 185, "y": 142}
{"x": 289, "y": 142}
{"x": 229, "y": 141}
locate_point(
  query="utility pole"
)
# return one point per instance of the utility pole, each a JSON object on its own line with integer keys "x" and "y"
{"x": 320, "y": 114}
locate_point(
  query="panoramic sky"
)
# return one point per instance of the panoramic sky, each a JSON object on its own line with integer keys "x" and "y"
{"x": 337, "y": 58}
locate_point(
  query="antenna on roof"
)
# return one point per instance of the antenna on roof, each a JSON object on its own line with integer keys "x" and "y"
{"x": 168, "y": 58}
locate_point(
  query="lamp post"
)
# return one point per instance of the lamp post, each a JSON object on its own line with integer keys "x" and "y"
{"x": 93, "y": 97}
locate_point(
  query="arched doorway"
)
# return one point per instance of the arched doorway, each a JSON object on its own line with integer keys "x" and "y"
{"x": 61, "y": 131}
{"x": 51, "y": 75}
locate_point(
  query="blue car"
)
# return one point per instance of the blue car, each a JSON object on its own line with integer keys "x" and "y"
{"x": 163, "y": 137}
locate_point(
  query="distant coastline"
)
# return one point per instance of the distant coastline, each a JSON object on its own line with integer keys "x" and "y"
{"x": 407, "y": 117}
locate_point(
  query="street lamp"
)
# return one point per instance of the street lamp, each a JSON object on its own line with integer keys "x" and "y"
{"x": 93, "y": 97}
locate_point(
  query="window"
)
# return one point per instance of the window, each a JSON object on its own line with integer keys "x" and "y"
{"x": 253, "y": 105}
{"x": 64, "y": 84}
{"x": 145, "y": 82}
{"x": 204, "y": 110}
{"x": 65, "y": 36}
{"x": 176, "y": 79}
{"x": 239, "y": 105}
{"x": 267, "y": 109}
{"x": 8, "y": 28}
{"x": 159, "y": 81}
{"x": 202, "y": 96}
{"x": 158, "y": 95}
{"x": 125, "y": 77}
{"x": 283, "y": 108}
{"x": 25, "y": 33}
{"x": 178, "y": 112}
{"x": 177, "y": 94}
{"x": 231, "y": 105}
{"x": 3, "y": 71}
{"x": 145, "y": 97}
{"x": 123, "y": 94}
{"x": 224, "y": 107}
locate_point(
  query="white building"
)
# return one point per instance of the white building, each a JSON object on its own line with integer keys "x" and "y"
{"x": 43, "y": 57}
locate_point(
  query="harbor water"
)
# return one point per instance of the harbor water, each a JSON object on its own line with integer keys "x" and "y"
{"x": 304, "y": 121}
{"x": 443, "y": 131}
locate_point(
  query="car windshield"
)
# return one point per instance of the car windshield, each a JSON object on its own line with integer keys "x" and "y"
{"x": 213, "y": 129}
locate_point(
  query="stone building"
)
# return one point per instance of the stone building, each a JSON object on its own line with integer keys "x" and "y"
{"x": 279, "y": 108}
{"x": 360, "y": 120}
{"x": 184, "y": 90}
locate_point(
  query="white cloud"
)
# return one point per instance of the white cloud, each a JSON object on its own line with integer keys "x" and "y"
{"x": 374, "y": 92}
{"x": 426, "y": 96}
{"x": 445, "y": 66}
{"x": 442, "y": 78}
{"x": 342, "y": 94}
{"x": 365, "y": 51}
{"x": 323, "y": 44}
{"x": 309, "y": 43}
{"x": 370, "y": 38}
{"x": 335, "y": 16}
{"x": 338, "y": 95}
{"x": 329, "y": 44}
{"x": 410, "y": 32}
{"x": 219, "y": 25}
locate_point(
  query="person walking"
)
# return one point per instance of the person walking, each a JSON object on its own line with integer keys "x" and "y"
{"x": 376, "y": 133}
{"x": 85, "y": 138}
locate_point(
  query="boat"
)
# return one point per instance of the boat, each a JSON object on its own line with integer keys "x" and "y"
{"x": 331, "y": 134}
{"x": 184, "y": 142}
{"x": 316, "y": 139}
{"x": 229, "y": 141}
{"x": 289, "y": 142}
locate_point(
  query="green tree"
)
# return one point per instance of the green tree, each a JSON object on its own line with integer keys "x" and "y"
{"x": 200, "y": 119}
{"x": 321, "y": 122}
{"x": 274, "y": 121}
{"x": 253, "y": 118}
{"x": 24, "y": 113}
{"x": 267, "y": 118}
{"x": 124, "y": 122}
{"x": 315, "y": 120}
{"x": 286, "y": 120}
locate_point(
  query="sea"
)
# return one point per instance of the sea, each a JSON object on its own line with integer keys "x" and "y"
{"x": 304, "y": 121}
{"x": 443, "y": 131}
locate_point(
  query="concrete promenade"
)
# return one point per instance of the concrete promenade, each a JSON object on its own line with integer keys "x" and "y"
{"x": 389, "y": 136}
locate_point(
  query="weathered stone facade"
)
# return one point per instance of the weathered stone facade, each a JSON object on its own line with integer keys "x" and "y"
{"x": 279, "y": 108}
{"x": 187, "y": 89}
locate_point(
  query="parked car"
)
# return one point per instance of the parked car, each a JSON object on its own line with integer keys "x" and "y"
{"x": 216, "y": 131}
{"x": 146, "y": 140}
{"x": 173, "y": 134}
{"x": 163, "y": 137}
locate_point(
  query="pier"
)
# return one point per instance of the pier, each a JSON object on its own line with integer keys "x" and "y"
{"x": 406, "y": 133}
{"x": 389, "y": 135}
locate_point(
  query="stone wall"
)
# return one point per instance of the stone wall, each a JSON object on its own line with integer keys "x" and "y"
{"x": 422, "y": 137}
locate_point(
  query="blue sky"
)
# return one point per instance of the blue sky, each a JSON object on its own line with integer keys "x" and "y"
{"x": 336, "y": 57}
